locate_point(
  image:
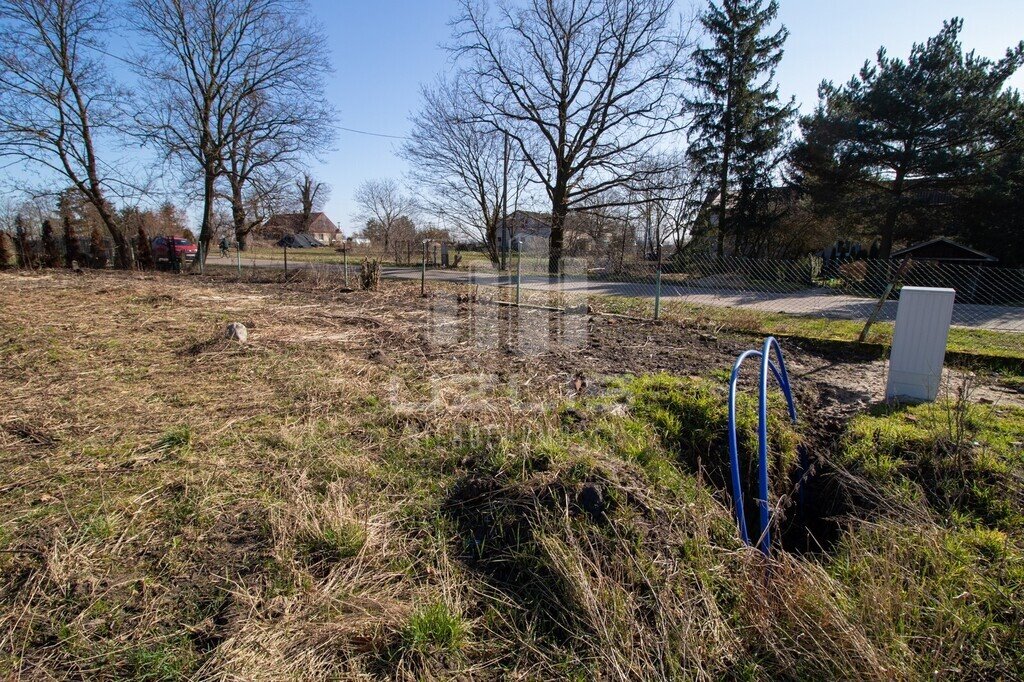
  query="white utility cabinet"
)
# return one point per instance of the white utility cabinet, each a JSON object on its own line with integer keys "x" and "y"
{"x": 919, "y": 344}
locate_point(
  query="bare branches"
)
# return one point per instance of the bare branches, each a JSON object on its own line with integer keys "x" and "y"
{"x": 236, "y": 87}
{"x": 464, "y": 166}
{"x": 586, "y": 89}
{"x": 382, "y": 207}
{"x": 312, "y": 195}
{"x": 55, "y": 97}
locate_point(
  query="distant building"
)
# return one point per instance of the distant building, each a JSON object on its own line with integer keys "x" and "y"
{"x": 533, "y": 227}
{"x": 941, "y": 263}
{"x": 319, "y": 227}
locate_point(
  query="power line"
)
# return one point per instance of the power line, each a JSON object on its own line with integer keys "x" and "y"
{"x": 364, "y": 132}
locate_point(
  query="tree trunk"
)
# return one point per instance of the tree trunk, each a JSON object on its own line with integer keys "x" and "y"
{"x": 238, "y": 216}
{"x": 559, "y": 210}
{"x": 723, "y": 195}
{"x": 209, "y": 195}
{"x": 493, "y": 235}
{"x": 892, "y": 217}
{"x": 123, "y": 256}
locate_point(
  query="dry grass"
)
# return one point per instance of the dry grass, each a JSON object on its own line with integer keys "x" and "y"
{"x": 336, "y": 499}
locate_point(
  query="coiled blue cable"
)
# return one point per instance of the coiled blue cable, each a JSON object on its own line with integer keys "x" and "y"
{"x": 778, "y": 369}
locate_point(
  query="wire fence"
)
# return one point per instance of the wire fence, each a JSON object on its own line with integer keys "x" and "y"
{"x": 987, "y": 297}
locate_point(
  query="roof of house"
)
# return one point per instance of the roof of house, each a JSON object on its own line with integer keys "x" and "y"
{"x": 945, "y": 250}
{"x": 319, "y": 223}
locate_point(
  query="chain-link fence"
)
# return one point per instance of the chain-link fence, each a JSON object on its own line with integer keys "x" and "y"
{"x": 987, "y": 296}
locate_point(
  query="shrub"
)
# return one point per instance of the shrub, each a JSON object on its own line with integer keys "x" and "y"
{"x": 97, "y": 250}
{"x": 51, "y": 253}
{"x": 71, "y": 254}
{"x": 369, "y": 275}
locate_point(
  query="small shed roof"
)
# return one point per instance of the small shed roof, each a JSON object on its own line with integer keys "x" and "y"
{"x": 947, "y": 250}
{"x": 299, "y": 241}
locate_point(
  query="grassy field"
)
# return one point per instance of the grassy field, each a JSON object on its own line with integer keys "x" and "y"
{"x": 378, "y": 485}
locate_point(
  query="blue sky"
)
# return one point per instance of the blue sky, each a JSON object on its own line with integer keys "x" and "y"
{"x": 383, "y": 50}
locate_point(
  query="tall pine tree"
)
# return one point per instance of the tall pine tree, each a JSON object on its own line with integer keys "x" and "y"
{"x": 902, "y": 131}
{"x": 739, "y": 121}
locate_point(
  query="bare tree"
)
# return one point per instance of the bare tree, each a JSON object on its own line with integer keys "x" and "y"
{"x": 267, "y": 139}
{"x": 312, "y": 195}
{"x": 382, "y": 204}
{"x": 213, "y": 61}
{"x": 253, "y": 194}
{"x": 467, "y": 169}
{"x": 585, "y": 88}
{"x": 666, "y": 205}
{"x": 56, "y": 98}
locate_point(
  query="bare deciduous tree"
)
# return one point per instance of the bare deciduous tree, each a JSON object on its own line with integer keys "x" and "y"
{"x": 212, "y": 60}
{"x": 56, "y": 98}
{"x": 312, "y": 195}
{"x": 585, "y": 89}
{"x": 666, "y": 205}
{"x": 382, "y": 203}
{"x": 465, "y": 167}
{"x": 266, "y": 141}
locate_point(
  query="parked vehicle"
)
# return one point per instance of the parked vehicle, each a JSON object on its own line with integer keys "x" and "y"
{"x": 184, "y": 251}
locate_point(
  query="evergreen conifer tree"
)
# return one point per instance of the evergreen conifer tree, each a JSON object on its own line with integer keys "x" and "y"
{"x": 70, "y": 242}
{"x": 51, "y": 252}
{"x": 900, "y": 130}
{"x": 739, "y": 121}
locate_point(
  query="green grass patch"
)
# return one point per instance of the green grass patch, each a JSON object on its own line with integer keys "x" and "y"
{"x": 177, "y": 439}
{"x": 434, "y": 628}
{"x": 332, "y": 544}
{"x": 690, "y": 417}
{"x": 964, "y": 460}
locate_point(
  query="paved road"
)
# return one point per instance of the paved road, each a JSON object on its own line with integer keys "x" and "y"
{"x": 817, "y": 302}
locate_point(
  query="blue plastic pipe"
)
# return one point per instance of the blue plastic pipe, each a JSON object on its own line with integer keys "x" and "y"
{"x": 778, "y": 369}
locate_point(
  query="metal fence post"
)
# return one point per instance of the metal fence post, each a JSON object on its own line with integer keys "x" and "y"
{"x": 657, "y": 289}
{"x": 423, "y": 271}
{"x": 344, "y": 258}
{"x": 286, "y": 259}
{"x": 519, "y": 268}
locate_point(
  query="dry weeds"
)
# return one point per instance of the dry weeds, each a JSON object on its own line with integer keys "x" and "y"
{"x": 176, "y": 505}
